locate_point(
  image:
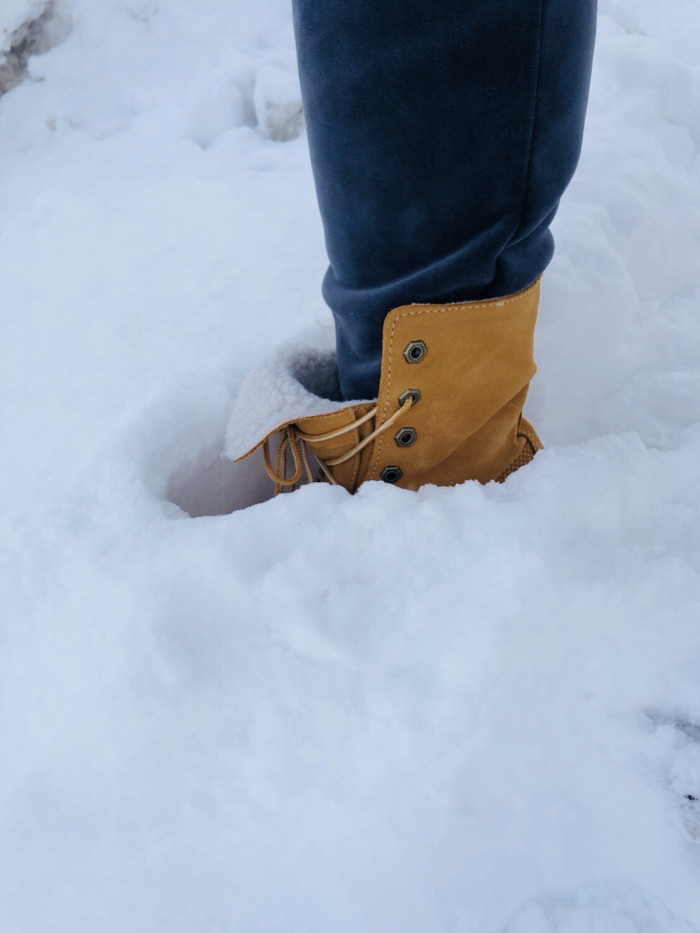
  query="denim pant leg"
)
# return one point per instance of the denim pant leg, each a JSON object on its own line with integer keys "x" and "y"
{"x": 442, "y": 135}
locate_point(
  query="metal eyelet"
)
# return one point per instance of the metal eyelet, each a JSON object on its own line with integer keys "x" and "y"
{"x": 409, "y": 393}
{"x": 391, "y": 474}
{"x": 404, "y": 437}
{"x": 415, "y": 351}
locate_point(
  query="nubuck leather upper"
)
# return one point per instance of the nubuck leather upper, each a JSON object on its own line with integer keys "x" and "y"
{"x": 454, "y": 380}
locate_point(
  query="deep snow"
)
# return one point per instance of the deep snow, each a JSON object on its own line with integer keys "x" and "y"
{"x": 469, "y": 710}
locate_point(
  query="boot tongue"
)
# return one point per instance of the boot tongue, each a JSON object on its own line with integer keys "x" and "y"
{"x": 346, "y": 474}
{"x": 296, "y": 383}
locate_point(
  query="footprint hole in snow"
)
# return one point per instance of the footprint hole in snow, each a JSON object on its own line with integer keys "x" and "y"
{"x": 211, "y": 484}
{"x": 182, "y": 442}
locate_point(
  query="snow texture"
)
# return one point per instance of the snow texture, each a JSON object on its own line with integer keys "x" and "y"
{"x": 277, "y": 99}
{"x": 467, "y": 710}
{"x": 28, "y": 27}
{"x": 14, "y": 15}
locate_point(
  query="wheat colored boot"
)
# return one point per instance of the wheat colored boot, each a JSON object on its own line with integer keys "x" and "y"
{"x": 454, "y": 380}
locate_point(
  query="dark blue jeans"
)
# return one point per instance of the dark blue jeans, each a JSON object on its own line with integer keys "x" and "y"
{"x": 442, "y": 135}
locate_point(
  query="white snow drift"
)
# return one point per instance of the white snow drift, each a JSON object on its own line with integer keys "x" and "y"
{"x": 468, "y": 710}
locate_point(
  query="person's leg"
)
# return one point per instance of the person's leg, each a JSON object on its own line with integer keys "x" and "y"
{"x": 442, "y": 136}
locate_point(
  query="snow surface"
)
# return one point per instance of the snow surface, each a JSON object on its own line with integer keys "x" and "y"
{"x": 14, "y": 14}
{"x": 468, "y": 710}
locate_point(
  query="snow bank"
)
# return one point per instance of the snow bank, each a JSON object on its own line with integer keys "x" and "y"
{"x": 472, "y": 709}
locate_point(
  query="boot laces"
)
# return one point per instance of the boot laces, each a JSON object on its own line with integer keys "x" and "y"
{"x": 295, "y": 442}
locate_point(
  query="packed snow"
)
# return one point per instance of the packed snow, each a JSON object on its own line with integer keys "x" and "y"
{"x": 466, "y": 710}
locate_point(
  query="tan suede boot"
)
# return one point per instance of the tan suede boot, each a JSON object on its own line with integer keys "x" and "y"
{"x": 454, "y": 380}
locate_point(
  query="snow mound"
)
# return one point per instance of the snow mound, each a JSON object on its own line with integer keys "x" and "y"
{"x": 278, "y": 105}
